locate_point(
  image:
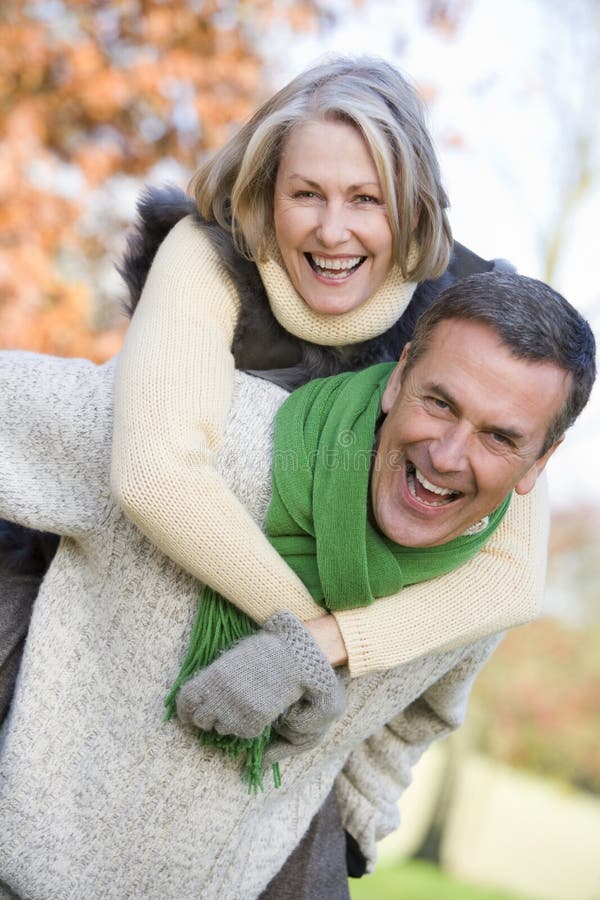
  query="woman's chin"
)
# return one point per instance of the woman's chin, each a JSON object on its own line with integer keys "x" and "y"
{"x": 326, "y": 303}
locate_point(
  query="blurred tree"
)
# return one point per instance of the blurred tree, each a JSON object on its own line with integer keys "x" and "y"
{"x": 536, "y": 705}
{"x": 94, "y": 97}
{"x": 574, "y": 567}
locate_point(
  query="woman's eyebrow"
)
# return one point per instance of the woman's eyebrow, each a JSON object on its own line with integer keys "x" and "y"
{"x": 303, "y": 178}
{"x": 351, "y": 187}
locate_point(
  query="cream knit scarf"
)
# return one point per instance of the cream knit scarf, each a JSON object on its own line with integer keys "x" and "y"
{"x": 368, "y": 320}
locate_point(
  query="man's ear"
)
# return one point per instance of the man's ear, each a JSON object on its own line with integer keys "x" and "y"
{"x": 394, "y": 382}
{"x": 527, "y": 482}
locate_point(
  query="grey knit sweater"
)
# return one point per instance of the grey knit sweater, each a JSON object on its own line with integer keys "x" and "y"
{"x": 99, "y": 798}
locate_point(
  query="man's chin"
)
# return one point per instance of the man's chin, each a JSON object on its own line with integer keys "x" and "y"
{"x": 422, "y": 535}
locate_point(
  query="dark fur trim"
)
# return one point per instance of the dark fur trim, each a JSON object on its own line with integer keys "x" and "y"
{"x": 159, "y": 209}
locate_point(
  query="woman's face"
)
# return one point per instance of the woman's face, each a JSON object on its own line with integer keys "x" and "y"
{"x": 330, "y": 217}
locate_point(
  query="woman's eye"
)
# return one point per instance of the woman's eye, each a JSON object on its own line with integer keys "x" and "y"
{"x": 367, "y": 198}
{"x": 304, "y": 195}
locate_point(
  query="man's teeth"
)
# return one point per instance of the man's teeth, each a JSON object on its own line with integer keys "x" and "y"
{"x": 413, "y": 475}
{"x": 336, "y": 265}
{"x": 434, "y": 488}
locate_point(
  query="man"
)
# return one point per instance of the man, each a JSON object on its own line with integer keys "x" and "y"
{"x": 464, "y": 428}
{"x": 98, "y": 798}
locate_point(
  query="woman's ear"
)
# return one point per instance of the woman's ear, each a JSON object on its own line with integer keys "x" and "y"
{"x": 393, "y": 386}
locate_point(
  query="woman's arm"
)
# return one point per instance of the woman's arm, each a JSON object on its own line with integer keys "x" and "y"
{"x": 173, "y": 395}
{"x": 501, "y": 587}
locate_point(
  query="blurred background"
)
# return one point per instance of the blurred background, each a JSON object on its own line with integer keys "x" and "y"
{"x": 99, "y": 98}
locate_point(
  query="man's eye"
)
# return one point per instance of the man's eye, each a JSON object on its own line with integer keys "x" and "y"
{"x": 501, "y": 439}
{"x": 437, "y": 403}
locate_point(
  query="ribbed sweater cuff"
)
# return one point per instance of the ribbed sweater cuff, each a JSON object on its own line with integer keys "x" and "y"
{"x": 362, "y": 654}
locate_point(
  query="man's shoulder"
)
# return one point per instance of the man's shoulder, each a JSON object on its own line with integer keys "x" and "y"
{"x": 244, "y": 459}
{"x": 251, "y": 419}
{"x": 263, "y": 395}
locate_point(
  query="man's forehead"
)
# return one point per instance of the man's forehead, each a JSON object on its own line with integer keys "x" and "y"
{"x": 466, "y": 362}
{"x": 470, "y": 338}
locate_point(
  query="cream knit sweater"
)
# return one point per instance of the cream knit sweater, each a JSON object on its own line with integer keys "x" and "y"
{"x": 99, "y": 798}
{"x": 172, "y": 399}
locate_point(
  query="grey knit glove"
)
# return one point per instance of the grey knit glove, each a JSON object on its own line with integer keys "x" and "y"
{"x": 251, "y": 685}
{"x": 303, "y": 726}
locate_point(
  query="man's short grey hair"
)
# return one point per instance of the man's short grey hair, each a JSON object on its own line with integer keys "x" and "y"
{"x": 236, "y": 187}
{"x": 532, "y": 320}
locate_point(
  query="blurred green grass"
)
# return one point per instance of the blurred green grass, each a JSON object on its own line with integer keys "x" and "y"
{"x": 420, "y": 881}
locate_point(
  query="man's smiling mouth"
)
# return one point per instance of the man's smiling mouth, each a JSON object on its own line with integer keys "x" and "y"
{"x": 423, "y": 490}
{"x": 334, "y": 269}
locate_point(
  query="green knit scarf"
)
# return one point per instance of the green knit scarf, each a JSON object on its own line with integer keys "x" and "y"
{"x": 318, "y": 522}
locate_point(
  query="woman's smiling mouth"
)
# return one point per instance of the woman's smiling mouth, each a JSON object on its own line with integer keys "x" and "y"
{"x": 334, "y": 269}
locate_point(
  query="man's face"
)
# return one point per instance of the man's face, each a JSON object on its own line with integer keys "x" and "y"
{"x": 464, "y": 426}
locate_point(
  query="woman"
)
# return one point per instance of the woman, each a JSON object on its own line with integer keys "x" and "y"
{"x": 333, "y": 191}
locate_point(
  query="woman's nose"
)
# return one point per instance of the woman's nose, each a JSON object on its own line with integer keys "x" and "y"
{"x": 332, "y": 227}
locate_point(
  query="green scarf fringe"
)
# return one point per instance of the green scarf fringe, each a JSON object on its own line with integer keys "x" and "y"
{"x": 217, "y": 627}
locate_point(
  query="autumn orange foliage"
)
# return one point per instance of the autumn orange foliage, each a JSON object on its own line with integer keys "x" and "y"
{"x": 89, "y": 91}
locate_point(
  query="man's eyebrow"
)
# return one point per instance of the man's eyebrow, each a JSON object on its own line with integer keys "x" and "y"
{"x": 514, "y": 436}
{"x": 447, "y": 397}
{"x": 432, "y": 387}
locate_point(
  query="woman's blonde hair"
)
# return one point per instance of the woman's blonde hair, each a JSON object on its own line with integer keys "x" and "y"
{"x": 236, "y": 186}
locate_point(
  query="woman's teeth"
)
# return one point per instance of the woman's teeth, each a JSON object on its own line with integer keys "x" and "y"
{"x": 420, "y": 487}
{"x": 334, "y": 268}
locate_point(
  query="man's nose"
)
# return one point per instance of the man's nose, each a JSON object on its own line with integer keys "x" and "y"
{"x": 449, "y": 451}
{"x": 332, "y": 227}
